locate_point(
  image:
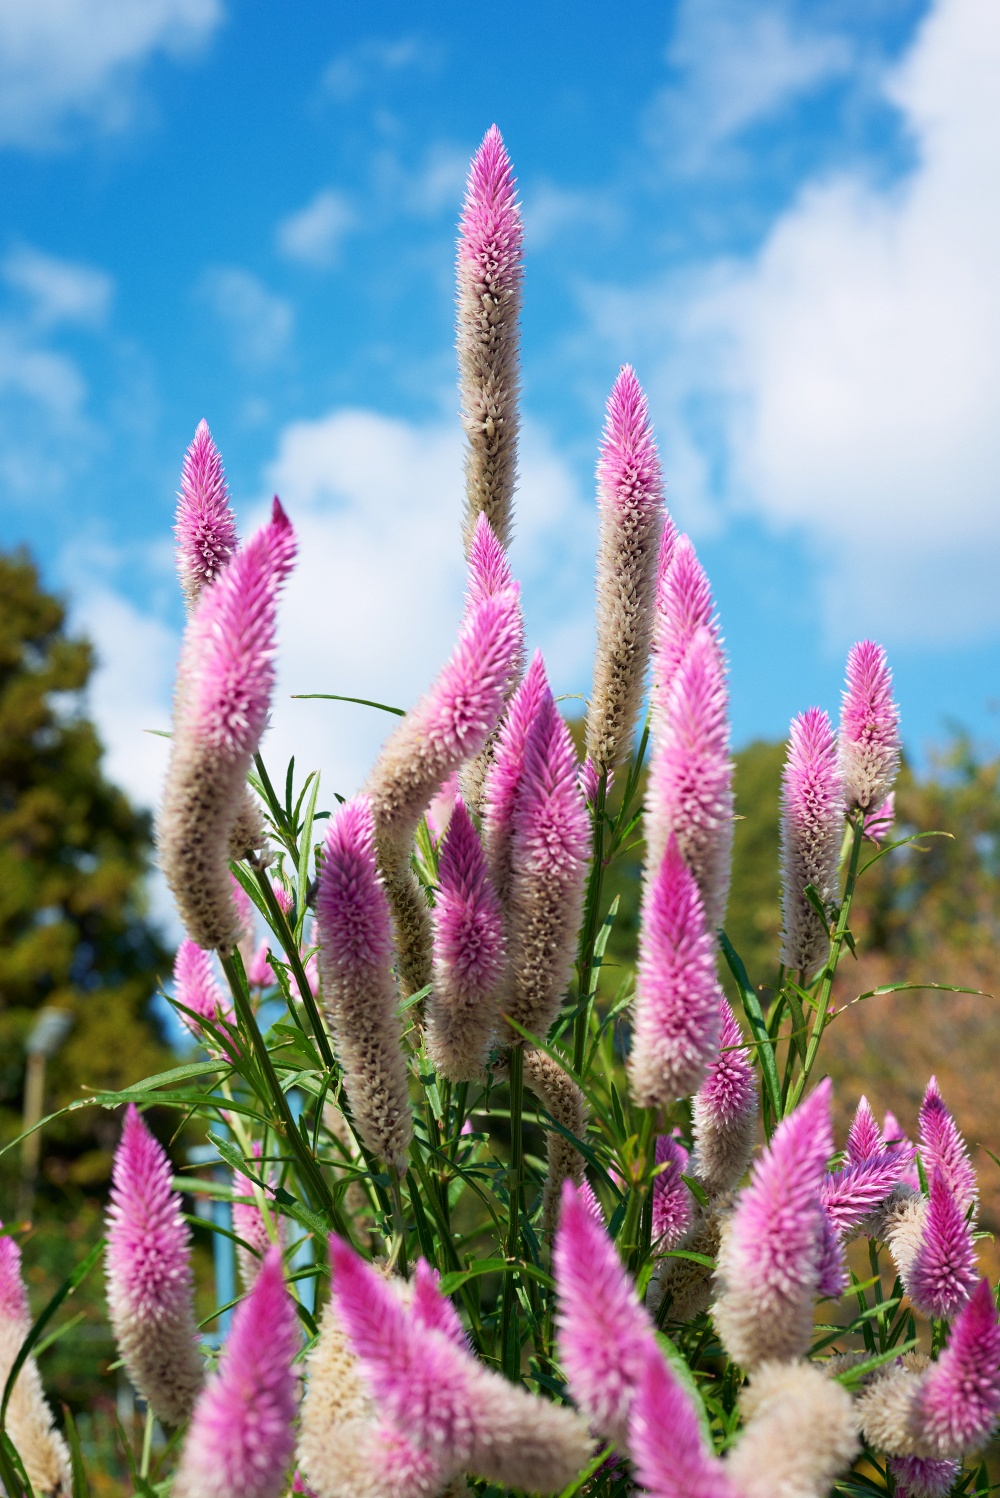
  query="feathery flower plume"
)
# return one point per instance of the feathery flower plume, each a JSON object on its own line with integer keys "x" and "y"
{"x": 29, "y": 1421}
{"x": 959, "y": 1400}
{"x": 812, "y": 822}
{"x": 864, "y": 1138}
{"x": 943, "y": 1275}
{"x": 672, "y": 1458}
{"x": 771, "y": 1257}
{"x": 249, "y": 1224}
{"x": 489, "y": 303}
{"x": 442, "y": 1401}
{"x": 448, "y": 726}
{"x": 223, "y": 692}
{"x": 801, "y": 1433}
{"x": 550, "y": 846}
{"x": 149, "y": 1283}
{"x": 506, "y": 771}
{"x": 630, "y": 500}
{"x": 684, "y": 604}
{"x": 852, "y": 1194}
{"x": 441, "y": 806}
{"x": 899, "y": 1223}
{"x": 673, "y": 1204}
{"x": 922, "y": 1477}
{"x": 196, "y": 987}
{"x": 724, "y": 1111}
{"x": 242, "y": 1432}
{"x": 690, "y": 777}
{"x": 567, "y": 1106}
{"x": 206, "y": 526}
{"x": 462, "y": 1009}
{"x": 489, "y": 574}
{"x": 260, "y": 973}
{"x": 895, "y": 1137}
{"x": 878, "y": 823}
{"x": 359, "y": 994}
{"x": 604, "y": 1333}
{"x": 869, "y": 728}
{"x": 677, "y": 1015}
{"x": 244, "y": 906}
{"x": 943, "y": 1148}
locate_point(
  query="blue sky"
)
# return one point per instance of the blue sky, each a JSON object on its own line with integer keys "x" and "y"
{"x": 787, "y": 216}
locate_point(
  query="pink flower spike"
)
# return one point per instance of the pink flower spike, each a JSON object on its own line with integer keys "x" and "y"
{"x": 260, "y": 973}
{"x": 774, "y": 1245}
{"x": 869, "y": 728}
{"x": 684, "y": 604}
{"x": 878, "y": 823}
{"x": 206, "y": 526}
{"x": 195, "y": 987}
{"x": 895, "y": 1138}
{"x": 589, "y": 778}
{"x": 244, "y": 906}
{"x": 672, "y": 1459}
{"x": 249, "y": 1224}
{"x": 505, "y": 773}
{"x": 812, "y": 821}
{"x": 13, "y": 1296}
{"x": 677, "y": 1018}
{"x": 673, "y": 1204}
{"x": 944, "y": 1272}
{"x": 241, "y": 1438}
{"x": 604, "y": 1333}
{"x": 690, "y": 792}
{"x": 922, "y": 1477}
{"x": 724, "y": 1111}
{"x": 943, "y": 1148}
{"x": 489, "y": 567}
{"x": 149, "y": 1285}
{"x": 469, "y": 955}
{"x": 959, "y": 1401}
{"x": 851, "y": 1194}
{"x": 28, "y": 1422}
{"x": 865, "y": 1137}
{"x": 433, "y": 1310}
{"x": 441, "y": 807}
{"x": 831, "y": 1280}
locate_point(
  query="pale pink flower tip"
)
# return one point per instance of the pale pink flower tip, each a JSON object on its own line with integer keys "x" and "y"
{"x": 943, "y": 1148}
{"x": 673, "y": 1204}
{"x": 551, "y": 827}
{"x": 508, "y": 766}
{"x": 729, "y": 1090}
{"x": 13, "y": 1296}
{"x": 944, "y": 1272}
{"x": 865, "y": 1136}
{"x": 196, "y": 987}
{"x": 489, "y": 568}
{"x": 878, "y": 823}
{"x": 241, "y": 1438}
{"x": 869, "y": 728}
{"x": 491, "y": 232}
{"x": 441, "y": 807}
{"x": 206, "y": 527}
{"x": 672, "y": 1459}
{"x": 604, "y": 1332}
{"x": 812, "y": 819}
{"x": 628, "y": 471}
{"x": 260, "y": 973}
{"x": 684, "y": 605}
{"x": 147, "y": 1253}
{"x": 351, "y": 904}
{"x": 468, "y": 923}
{"x": 959, "y": 1401}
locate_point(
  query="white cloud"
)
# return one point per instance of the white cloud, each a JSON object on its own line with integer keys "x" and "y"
{"x": 257, "y": 322}
{"x": 357, "y": 69}
{"x": 66, "y": 59}
{"x": 551, "y": 210}
{"x": 58, "y": 291}
{"x": 314, "y": 234}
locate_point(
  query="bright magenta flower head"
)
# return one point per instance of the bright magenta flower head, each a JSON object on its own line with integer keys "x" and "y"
{"x": 724, "y": 1111}
{"x": 490, "y": 265}
{"x": 943, "y": 1275}
{"x": 869, "y": 728}
{"x": 241, "y": 1438}
{"x": 249, "y": 1224}
{"x": 959, "y": 1399}
{"x": 865, "y": 1137}
{"x": 469, "y": 955}
{"x": 149, "y": 1285}
{"x": 771, "y": 1260}
{"x": 489, "y": 570}
{"x": 690, "y": 792}
{"x": 943, "y": 1148}
{"x": 851, "y": 1194}
{"x": 673, "y": 1204}
{"x": 359, "y": 991}
{"x": 922, "y": 1477}
{"x": 812, "y": 822}
{"x": 604, "y": 1333}
{"x": 630, "y": 499}
{"x": 28, "y": 1422}
{"x": 672, "y": 1459}
{"x": 206, "y": 526}
{"x": 684, "y": 604}
{"x": 196, "y": 987}
{"x": 675, "y": 1034}
{"x": 878, "y": 823}
{"x": 507, "y": 769}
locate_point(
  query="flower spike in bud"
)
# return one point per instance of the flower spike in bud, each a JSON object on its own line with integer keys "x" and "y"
{"x": 684, "y": 604}
{"x": 724, "y": 1111}
{"x": 506, "y": 771}
{"x": 865, "y": 1137}
{"x": 869, "y": 728}
{"x": 959, "y": 1400}
{"x": 943, "y": 1148}
{"x": 943, "y": 1275}
{"x": 630, "y": 497}
{"x": 195, "y": 987}
{"x": 206, "y": 526}
{"x": 673, "y": 1204}
{"x": 812, "y": 821}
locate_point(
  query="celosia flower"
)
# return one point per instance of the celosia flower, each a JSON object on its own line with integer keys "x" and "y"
{"x": 869, "y": 728}
{"x": 550, "y": 847}
{"x": 590, "y": 780}
{"x": 506, "y": 771}
{"x": 359, "y": 993}
{"x": 241, "y": 1437}
{"x": 851, "y": 1194}
{"x": 675, "y": 1033}
{"x": 922, "y": 1477}
{"x": 630, "y": 500}
{"x": 684, "y": 604}
{"x": 943, "y": 1148}
{"x": 878, "y": 823}
{"x": 469, "y": 957}
{"x": 672, "y": 1459}
{"x": 28, "y": 1421}
{"x": 489, "y": 574}
{"x": 448, "y": 726}
{"x": 943, "y": 1275}
{"x": 604, "y": 1333}
{"x": 149, "y": 1285}
{"x": 260, "y": 973}
{"x": 895, "y": 1137}
{"x": 249, "y": 1224}
{"x": 771, "y": 1257}
{"x": 689, "y": 794}
{"x": 673, "y": 1204}
{"x": 196, "y": 987}
{"x": 864, "y": 1138}
{"x": 724, "y": 1111}
{"x": 489, "y": 302}
{"x": 441, "y": 806}
{"x": 436, "y": 1397}
{"x": 244, "y": 906}
{"x": 567, "y": 1107}
{"x": 206, "y": 526}
{"x": 812, "y": 820}
{"x": 224, "y": 687}
{"x": 831, "y": 1276}
{"x": 959, "y": 1400}
{"x": 800, "y": 1433}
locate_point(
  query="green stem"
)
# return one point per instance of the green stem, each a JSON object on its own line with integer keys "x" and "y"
{"x": 631, "y": 1228}
{"x": 147, "y": 1443}
{"x": 586, "y": 977}
{"x": 275, "y": 807}
{"x": 830, "y": 972}
{"x": 290, "y": 947}
{"x": 397, "y": 1254}
{"x": 510, "y": 1342}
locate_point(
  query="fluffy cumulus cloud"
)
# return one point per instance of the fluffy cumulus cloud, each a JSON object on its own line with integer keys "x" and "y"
{"x": 313, "y": 235}
{"x": 66, "y": 60}
{"x": 257, "y": 323}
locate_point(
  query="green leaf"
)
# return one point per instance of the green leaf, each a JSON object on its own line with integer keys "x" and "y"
{"x": 687, "y": 1253}
{"x": 305, "y": 849}
{"x": 588, "y": 1471}
{"x": 758, "y": 1027}
{"x": 682, "y": 1372}
{"x": 852, "y": 1376}
{"x": 69, "y": 1284}
{"x": 812, "y": 894}
{"x": 81, "y": 1487}
{"x": 459, "y": 1277}
{"x": 335, "y": 697}
{"x": 12, "y": 1473}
